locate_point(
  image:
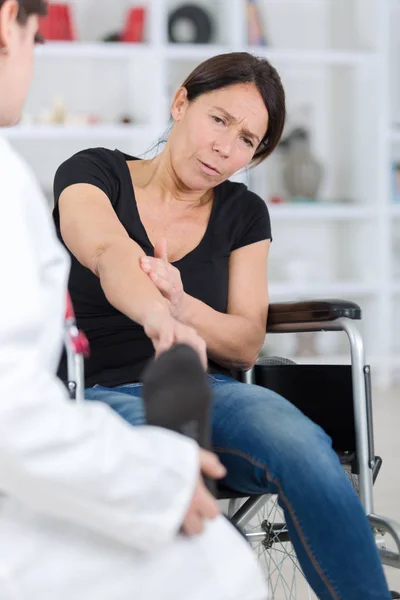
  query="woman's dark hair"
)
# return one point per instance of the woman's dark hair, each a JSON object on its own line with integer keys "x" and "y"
{"x": 241, "y": 67}
{"x": 28, "y": 8}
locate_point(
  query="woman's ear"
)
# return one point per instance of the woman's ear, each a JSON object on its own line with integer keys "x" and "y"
{"x": 8, "y": 17}
{"x": 180, "y": 104}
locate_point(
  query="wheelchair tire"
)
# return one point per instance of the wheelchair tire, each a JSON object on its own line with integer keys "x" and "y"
{"x": 275, "y": 553}
{"x": 274, "y": 360}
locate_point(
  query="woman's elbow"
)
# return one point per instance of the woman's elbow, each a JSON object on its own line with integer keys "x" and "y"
{"x": 248, "y": 363}
{"x": 248, "y": 356}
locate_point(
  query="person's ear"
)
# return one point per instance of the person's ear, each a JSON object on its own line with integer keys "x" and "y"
{"x": 8, "y": 18}
{"x": 180, "y": 104}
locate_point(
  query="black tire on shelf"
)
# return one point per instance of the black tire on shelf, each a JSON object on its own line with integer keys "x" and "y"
{"x": 198, "y": 17}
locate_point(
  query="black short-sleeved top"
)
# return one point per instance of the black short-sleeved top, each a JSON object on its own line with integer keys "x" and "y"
{"x": 119, "y": 347}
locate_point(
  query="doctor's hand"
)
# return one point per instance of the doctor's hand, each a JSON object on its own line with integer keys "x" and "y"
{"x": 203, "y": 505}
{"x": 165, "y": 277}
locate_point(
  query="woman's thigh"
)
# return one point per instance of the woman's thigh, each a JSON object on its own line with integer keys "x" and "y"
{"x": 260, "y": 437}
{"x": 263, "y": 438}
{"x": 124, "y": 400}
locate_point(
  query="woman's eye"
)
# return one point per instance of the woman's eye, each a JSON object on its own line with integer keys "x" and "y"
{"x": 219, "y": 120}
{"x": 248, "y": 142}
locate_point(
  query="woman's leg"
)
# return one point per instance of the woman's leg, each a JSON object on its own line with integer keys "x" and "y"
{"x": 124, "y": 400}
{"x": 268, "y": 445}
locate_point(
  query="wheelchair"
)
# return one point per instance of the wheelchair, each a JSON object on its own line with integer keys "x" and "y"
{"x": 336, "y": 397}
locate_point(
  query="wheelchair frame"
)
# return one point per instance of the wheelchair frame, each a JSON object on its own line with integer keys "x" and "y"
{"x": 291, "y": 317}
{"x": 331, "y": 315}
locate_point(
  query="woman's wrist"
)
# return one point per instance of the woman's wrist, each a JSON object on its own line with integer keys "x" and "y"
{"x": 185, "y": 309}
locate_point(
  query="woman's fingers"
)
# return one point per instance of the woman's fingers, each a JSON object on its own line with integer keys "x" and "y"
{"x": 164, "y": 285}
{"x": 148, "y": 263}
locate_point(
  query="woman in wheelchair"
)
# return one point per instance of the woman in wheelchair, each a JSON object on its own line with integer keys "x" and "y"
{"x": 173, "y": 236}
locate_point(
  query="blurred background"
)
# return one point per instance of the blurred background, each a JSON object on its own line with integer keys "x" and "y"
{"x": 107, "y": 75}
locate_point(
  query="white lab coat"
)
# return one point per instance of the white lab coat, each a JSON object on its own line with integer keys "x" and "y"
{"x": 89, "y": 506}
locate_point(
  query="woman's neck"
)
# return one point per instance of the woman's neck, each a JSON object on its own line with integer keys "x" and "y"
{"x": 158, "y": 176}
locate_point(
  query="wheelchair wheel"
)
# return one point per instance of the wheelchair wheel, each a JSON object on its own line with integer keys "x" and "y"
{"x": 275, "y": 552}
{"x": 277, "y": 556}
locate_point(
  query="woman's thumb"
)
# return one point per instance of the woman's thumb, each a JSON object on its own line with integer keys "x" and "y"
{"x": 160, "y": 249}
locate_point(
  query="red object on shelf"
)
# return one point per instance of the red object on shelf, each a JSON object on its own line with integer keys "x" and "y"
{"x": 134, "y": 25}
{"x": 57, "y": 25}
{"x": 276, "y": 199}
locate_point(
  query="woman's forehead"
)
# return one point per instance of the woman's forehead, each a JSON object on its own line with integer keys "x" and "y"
{"x": 238, "y": 94}
{"x": 240, "y": 101}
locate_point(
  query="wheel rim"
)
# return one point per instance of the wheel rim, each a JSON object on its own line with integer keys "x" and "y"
{"x": 276, "y": 555}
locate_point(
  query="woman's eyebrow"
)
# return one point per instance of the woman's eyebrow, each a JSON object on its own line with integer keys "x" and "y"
{"x": 232, "y": 118}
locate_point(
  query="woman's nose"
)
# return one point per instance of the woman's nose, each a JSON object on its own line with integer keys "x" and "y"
{"x": 224, "y": 144}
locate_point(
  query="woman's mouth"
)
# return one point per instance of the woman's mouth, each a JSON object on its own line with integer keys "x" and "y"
{"x": 208, "y": 168}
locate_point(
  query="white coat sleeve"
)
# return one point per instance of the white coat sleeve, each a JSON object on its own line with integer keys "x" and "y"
{"x": 80, "y": 463}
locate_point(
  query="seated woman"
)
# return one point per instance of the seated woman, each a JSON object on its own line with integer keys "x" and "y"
{"x": 173, "y": 235}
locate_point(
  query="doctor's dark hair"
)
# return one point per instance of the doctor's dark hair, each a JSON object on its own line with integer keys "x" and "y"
{"x": 28, "y": 8}
{"x": 233, "y": 68}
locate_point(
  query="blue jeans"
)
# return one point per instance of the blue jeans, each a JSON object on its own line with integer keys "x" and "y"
{"x": 268, "y": 445}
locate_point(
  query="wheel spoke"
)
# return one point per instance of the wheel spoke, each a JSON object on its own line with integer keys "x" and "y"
{"x": 278, "y": 560}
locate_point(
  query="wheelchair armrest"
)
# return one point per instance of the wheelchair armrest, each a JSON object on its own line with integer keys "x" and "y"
{"x": 311, "y": 311}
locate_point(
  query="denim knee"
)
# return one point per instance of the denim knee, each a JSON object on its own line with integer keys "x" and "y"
{"x": 266, "y": 426}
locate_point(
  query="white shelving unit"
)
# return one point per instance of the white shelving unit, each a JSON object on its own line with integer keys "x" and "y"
{"x": 391, "y": 210}
{"x": 77, "y": 132}
{"x": 334, "y": 58}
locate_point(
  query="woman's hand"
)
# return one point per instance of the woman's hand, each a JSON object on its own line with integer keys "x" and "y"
{"x": 165, "y": 277}
{"x": 165, "y": 331}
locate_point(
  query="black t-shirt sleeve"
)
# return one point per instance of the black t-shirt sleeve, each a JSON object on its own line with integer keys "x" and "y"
{"x": 94, "y": 166}
{"x": 256, "y": 224}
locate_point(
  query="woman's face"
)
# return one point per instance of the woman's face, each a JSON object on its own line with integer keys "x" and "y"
{"x": 217, "y": 134}
{"x": 16, "y": 61}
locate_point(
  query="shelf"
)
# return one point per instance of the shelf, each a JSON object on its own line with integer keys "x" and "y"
{"x": 322, "y": 57}
{"x": 65, "y": 132}
{"x": 310, "y": 291}
{"x": 102, "y": 50}
{"x": 193, "y": 51}
{"x": 318, "y": 57}
{"x": 120, "y": 50}
{"x": 319, "y": 211}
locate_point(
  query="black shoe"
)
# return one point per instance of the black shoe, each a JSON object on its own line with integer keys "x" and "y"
{"x": 177, "y": 396}
{"x": 395, "y": 595}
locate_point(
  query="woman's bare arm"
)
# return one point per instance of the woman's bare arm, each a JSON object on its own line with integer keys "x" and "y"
{"x": 95, "y": 236}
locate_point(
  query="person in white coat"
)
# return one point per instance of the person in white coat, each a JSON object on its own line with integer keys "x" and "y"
{"x": 90, "y": 507}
